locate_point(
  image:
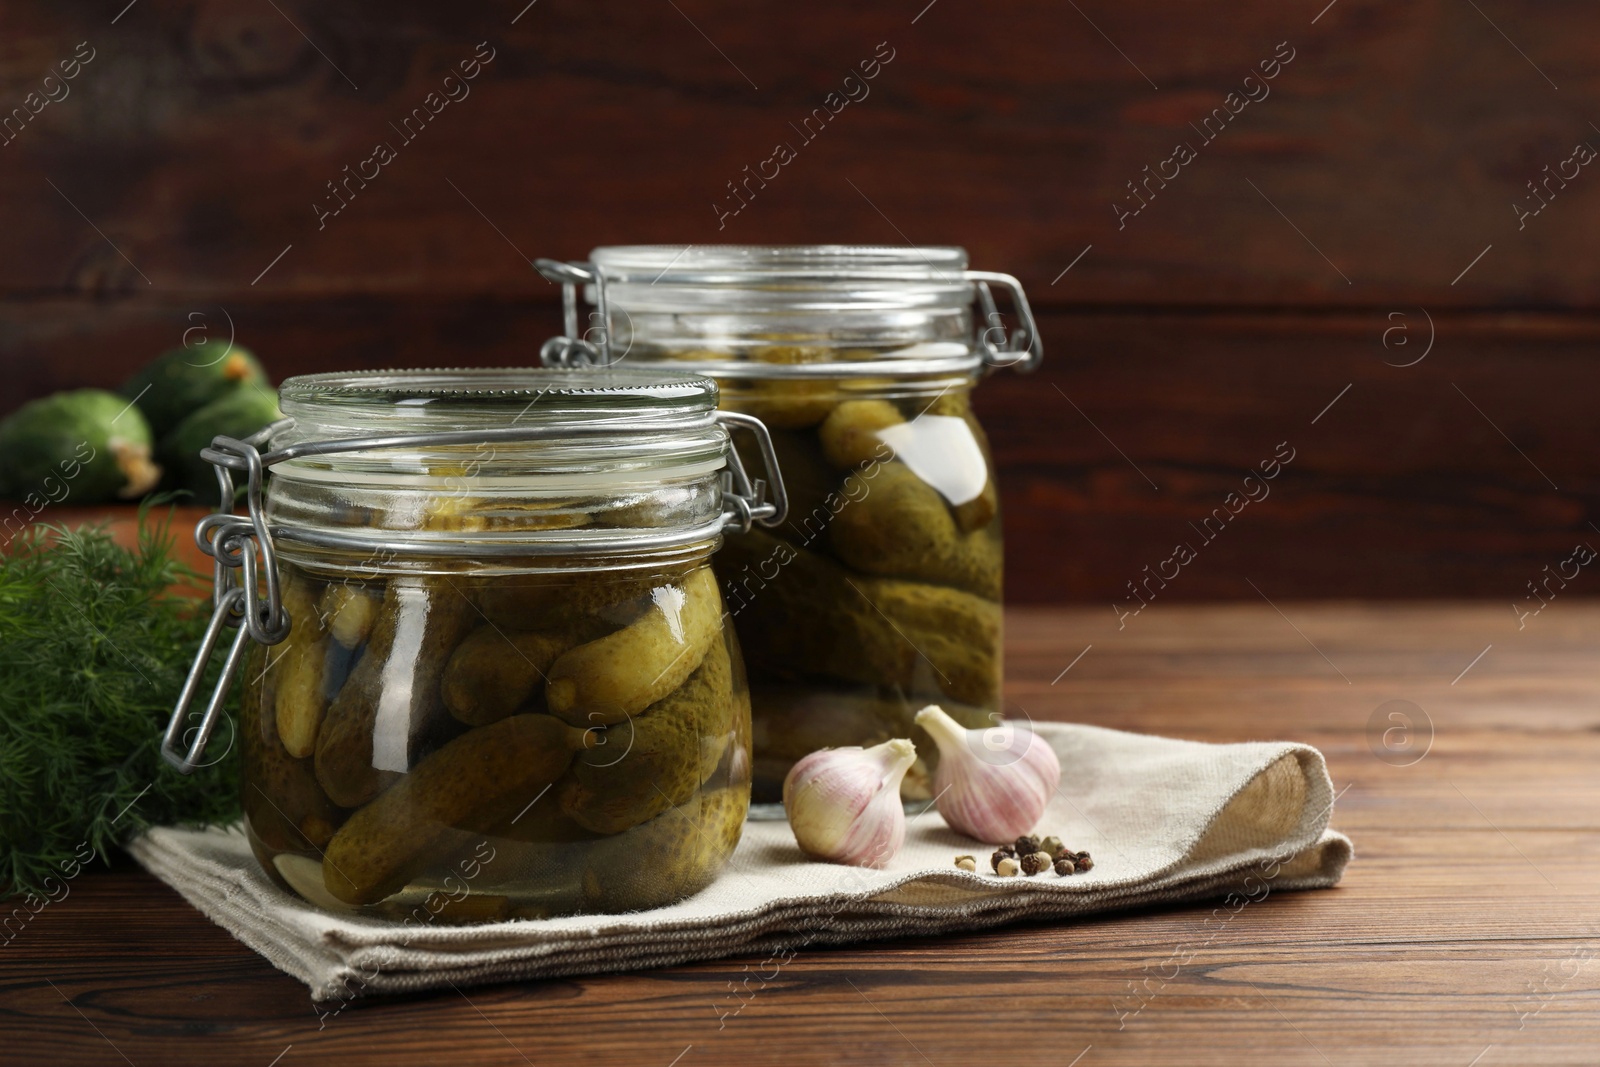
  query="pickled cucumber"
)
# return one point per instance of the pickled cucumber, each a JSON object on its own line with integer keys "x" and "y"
{"x": 390, "y": 709}
{"x": 675, "y": 854}
{"x": 286, "y": 809}
{"x": 849, "y": 434}
{"x": 491, "y": 769}
{"x": 781, "y": 636}
{"x": 463, "y": 508}
{"x": 524, "y": 515}
{"x": 300, "y": 662}
{"x": 347, "y": 612}
{"x": 980, "y": 510}
{"x": 606, "y": 680}
{"x": 540, "y": 822}
{"x": 454, "y": 512}
{"x": 797, "y": 720}
{"x": 494, "y": 672}
{"x": 789, "y": 355}
{"x": 656, "y": 759}
{"x": 434, "y": 741}
{"x": 809, "y": 479}
{"x": 586, "y": 605}
{"x": 850, "y": 439}
{"x": 956, "y": 636}
{"x": 789, "y": 403}
{"x": 817, "y": 619}
{"x": 899, "y": 526}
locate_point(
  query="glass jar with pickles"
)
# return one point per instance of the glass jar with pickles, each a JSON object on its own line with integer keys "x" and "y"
{"x": 490, "y": 674}
{"x": 881, "y": 591}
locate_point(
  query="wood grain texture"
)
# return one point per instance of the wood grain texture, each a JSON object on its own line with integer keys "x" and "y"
{"x": 1396, "y": 140}
{"x": 1469, "y": 920}
{"x": 1424, "y": 480}
{"x": 175, "y": 188}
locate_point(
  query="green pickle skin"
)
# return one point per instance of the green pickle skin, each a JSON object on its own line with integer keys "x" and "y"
{"x": 491, "y": 748}
{"x": 877, "y": 596}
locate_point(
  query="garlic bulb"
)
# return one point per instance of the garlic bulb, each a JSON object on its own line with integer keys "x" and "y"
{"x": 991, "y": 784}
{"x": 844, "y": 803}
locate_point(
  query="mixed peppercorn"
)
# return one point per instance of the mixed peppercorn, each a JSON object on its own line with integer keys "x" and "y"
{"x": 1030, "y": 856}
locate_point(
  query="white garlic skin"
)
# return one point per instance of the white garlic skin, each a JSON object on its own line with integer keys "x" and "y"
{"x": 992, "y": 784}
{"x": 844, "y": 803}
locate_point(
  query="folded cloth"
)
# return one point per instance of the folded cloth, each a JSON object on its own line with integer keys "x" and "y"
{"x": 1166, "y": 821}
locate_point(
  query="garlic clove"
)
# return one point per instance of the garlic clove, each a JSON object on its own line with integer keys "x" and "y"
{"x": 844, "y": 803}
{"x": 991, "y": 784}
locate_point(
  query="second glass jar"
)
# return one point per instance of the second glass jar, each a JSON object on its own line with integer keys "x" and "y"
{"x": 881, "y": 593}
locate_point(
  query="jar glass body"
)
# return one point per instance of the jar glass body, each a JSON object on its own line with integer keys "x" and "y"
{"x": 881, "y": 592}
{"x": 464, "y": 724}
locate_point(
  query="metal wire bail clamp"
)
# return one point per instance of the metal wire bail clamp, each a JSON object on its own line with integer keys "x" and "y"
{"x": 238, "y": 573}
{"x": 749, "y": 498}
{"x": 572, "y": 348}
{"x": 1023, "y": 350}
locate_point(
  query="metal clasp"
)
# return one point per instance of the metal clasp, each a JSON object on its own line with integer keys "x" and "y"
{"x": 1022, "y": 349}
{"x": 573, "y": 348}
{"x": 182, "y": 754}
{"x": 245, "y": 561}
{"x": 747, "y": 500}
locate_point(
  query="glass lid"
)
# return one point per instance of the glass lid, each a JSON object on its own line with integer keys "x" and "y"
{"x": 709, "y": 264}
{"x": 502, "y": 423}
{"x": 480, "y": 397}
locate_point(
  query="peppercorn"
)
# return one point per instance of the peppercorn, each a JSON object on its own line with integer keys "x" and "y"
{"x": 1009, "y": 850}
{"x": 967, "y": 863}
{"x": 1083, "y": 861}
{"x": 1050, "y": 845}
{"x": 1034, "y": 862}
{"x": 994, "y": 860}
{"x": 1064, "y": 866}
{"x": 1027, "y": 844}
{"x": 1007, "y": 867}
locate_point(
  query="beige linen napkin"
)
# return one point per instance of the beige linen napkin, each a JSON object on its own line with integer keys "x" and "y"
{"x": 1166, "y": 821}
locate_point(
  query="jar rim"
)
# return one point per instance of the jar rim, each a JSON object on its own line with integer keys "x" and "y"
{"x": 839, "y": 300}
{"x": 474, "y": 391}
{"x": 709, "y": 264}
{"x": 661, "y": 414}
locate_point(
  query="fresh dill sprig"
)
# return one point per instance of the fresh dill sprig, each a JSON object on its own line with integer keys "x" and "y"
{"x": 94, "y": 647}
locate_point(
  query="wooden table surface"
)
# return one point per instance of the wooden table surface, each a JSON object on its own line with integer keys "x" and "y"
{"x": 1465, "y": 931}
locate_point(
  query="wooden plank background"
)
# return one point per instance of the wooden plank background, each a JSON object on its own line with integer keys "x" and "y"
{"x": 1365, "y": 201}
